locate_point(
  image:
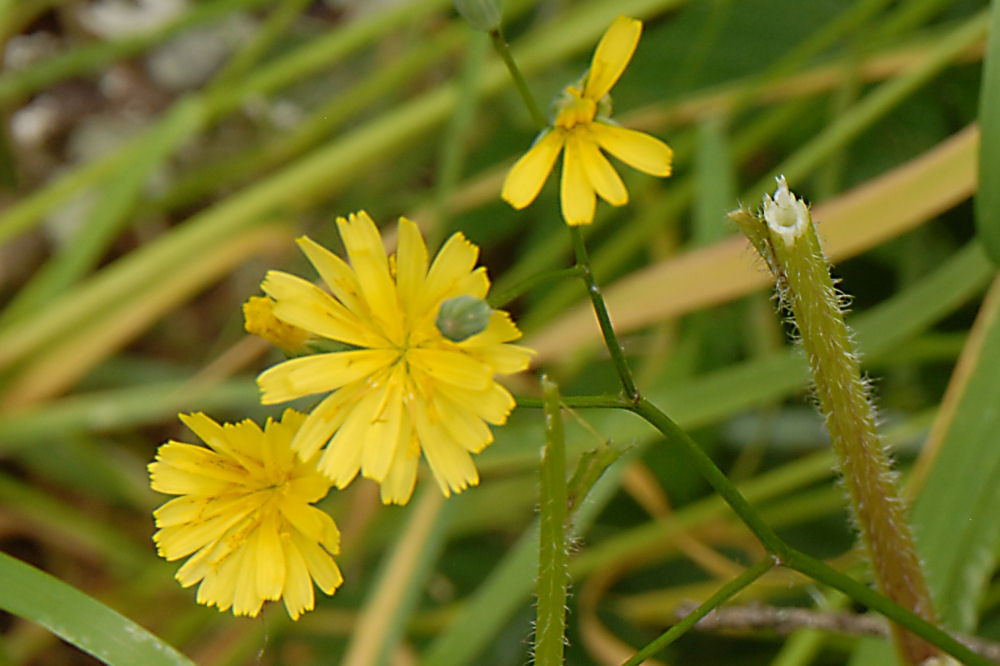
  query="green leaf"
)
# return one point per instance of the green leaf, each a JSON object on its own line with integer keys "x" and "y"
{"x": 79, "y": 619}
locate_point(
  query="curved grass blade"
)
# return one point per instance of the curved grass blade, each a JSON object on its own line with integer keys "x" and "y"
{"x": 79, "y": 619}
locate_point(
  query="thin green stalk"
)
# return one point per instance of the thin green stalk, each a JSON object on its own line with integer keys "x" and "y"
{"x": 500, "y": 45}
{"x": 579, "y": 402}
{"x": 553, "y": 558}
{"x": 726, "y": 592}
{"x": 794, "y": 559}
{"x": 504, "y": 297}
{"x": 711, "y": 473}
{"x": 863, "y": 594}
{"x": 603, "y": 318}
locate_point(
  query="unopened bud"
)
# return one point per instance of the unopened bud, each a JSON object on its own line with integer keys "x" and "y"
{"x": 259, "y": 320}
{"x": 481, "y": 14}
{"x": 462, "y": 317}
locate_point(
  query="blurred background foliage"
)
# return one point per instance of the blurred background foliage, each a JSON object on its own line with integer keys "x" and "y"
{"x": 160, "y": 155}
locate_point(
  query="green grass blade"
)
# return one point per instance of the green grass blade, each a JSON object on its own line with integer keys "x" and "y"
{"x": 112, "y": 210}
{"x": 988, "y": 195}
{"x": 79, "y": 619}
{"x": 955, "y": 515}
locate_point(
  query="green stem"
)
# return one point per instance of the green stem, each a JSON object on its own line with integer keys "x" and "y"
{"x": 794, "y": 559}
{"x": 504, "y": 297}
{"x": 782, "y": 553}
{"x": 726, "y": 592}
{"x": 553, "y": 563}
{"x": 579, "y": 401}
{"x": 500, "y": 45}
{"x": 603, "y": 318}
{"x": 715, "y": 477}
{"x": 863, "y": 594}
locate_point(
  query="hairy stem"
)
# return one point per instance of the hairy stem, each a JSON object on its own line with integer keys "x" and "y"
{"x": 785, "y": 236}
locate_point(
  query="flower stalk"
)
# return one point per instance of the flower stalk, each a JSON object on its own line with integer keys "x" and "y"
{"x": 553, "y": 556}
{"x": 785, "y": 236}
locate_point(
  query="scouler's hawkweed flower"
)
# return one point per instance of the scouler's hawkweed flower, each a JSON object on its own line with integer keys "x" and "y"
{"x": 397, "y": 386}
{"x": 581, "y": 130}
{"x": 244, "y": 514}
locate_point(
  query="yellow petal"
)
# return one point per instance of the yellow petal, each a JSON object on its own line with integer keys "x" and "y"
{"x": 320, "y": 373}
{"x": 576, "y": 194}
{"x": 454, "y": 367}
{"x": 322, "y": 567}
{"x": 451, "y": 267}
{"x": 493, "y": 405}
{"x": 465, "y": 427}
{"x": 637, "y": 149}
{"x": 322, "y": 422}
{"x": 500, "y": 329}
{"x": 529, "y": 173}
{"x": 451, "y": 464}
{"x": 397, "y": 487}
{"x": 298, "y": 594}
{"x": 600, "y": 173}
{"x": 301, "y": 303}
{"x": 381, "y": 438}
{"x": 612, "y": 56}
{"x": 368, "y": 259}
{"x": 335, "y": 272}
{"x": 411, "y": 265}
{"x": 270, "y": 558}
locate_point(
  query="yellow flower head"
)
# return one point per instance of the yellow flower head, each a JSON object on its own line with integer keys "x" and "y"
{"x": 244, "y": 514}
{"x": 583, "y": 130}
{"x": 402, "y": 388}
{"x": 259, "y": 320}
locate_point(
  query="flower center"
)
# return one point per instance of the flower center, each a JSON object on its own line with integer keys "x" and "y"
{"x": 574, "y": 108}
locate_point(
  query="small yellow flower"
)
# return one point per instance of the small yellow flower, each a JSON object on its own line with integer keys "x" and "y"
{"x": 581, "y": 130}
{"x": 259, "y": 320}
{"x": 400, "y": 388}
{"x": 244, "y": 514}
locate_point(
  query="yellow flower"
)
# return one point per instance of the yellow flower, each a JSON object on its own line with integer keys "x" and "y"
{"x": 401, "y": 388}
{"x": 582, "y": 128}
{"x": 259, "y": 320}
{"x": 244, "y": 515}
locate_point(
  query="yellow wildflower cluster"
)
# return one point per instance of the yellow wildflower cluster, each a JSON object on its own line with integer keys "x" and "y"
{"x": 397, "y": 388}
{"x": 403, "y": 353}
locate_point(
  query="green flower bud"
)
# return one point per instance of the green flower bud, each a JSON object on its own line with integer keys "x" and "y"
{"x": 481, "y": 14}
{"x": 462, "y": 317}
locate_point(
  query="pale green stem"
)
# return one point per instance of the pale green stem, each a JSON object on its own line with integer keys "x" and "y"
{"x": 553, "y": 567}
